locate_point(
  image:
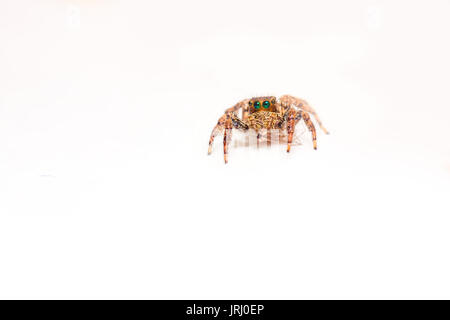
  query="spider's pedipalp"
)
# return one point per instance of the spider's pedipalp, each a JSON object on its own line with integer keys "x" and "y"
{"x": 238, "y": 123}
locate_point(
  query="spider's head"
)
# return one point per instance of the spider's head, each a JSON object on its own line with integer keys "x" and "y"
{"x": 262, "y": 104}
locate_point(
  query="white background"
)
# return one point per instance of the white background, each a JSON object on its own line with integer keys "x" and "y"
{"x": 107, "y": 192}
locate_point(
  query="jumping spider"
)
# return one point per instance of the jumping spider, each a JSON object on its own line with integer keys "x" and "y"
{"x": 266, "y": 113}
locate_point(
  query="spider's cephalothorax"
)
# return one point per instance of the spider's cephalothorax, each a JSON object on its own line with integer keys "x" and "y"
{"x": 266, "y": 113}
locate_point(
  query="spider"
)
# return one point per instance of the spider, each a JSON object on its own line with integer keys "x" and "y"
{"x": 266, "y": 113}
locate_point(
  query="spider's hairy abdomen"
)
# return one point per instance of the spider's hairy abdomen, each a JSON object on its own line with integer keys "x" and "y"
{"x": 264, "y": 120}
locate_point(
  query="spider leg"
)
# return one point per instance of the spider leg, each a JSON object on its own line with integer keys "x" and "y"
{"x": 226, "y": 123}
{"x": 288, "y": 100}
{"x": 226, "y": 137}
{"x": 217, "y": 129}
{"x": 220, "y": 126}
{"x": 290, "y": 126}
{"x": 292, "y": 118}
{"x": 305, "y": 116}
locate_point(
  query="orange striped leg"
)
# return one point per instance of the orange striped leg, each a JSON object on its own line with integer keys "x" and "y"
{"x": 217, "y": 129}
{"x": 310, "y": 126}
{"x": 290, "y": 127}
{"x": 221, "y": 123}
{"x": 225, "y": 124}
{"x": 227, "y": 137}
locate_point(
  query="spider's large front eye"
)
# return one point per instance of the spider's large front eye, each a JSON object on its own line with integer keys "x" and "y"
{"x": 257, "y": 105}
{"x": 266, "y": 104}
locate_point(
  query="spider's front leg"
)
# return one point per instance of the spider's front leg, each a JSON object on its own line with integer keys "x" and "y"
{"x": 292, "y": 118}
{"x": 225, "y": 124}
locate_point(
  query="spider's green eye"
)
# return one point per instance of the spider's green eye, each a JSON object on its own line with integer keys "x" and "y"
{"x": 257, "y": 105}
{"x": 266, "y": 104}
